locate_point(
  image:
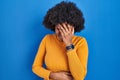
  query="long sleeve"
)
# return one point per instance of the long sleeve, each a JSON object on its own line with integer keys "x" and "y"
{"x": 37, "y": 66}
{"x": 77, "y": 59}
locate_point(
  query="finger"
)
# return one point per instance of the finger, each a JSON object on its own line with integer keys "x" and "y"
{"x": 69, "y": 28}
{"x": 62, "y": 29}
{"x": 59, "y": 28}
{"x": 61, "y": 32}
{"x": 72, "y": 30}
{"x": 67, "y": 73}
{"x": 65, "y": 27}
{"x": 69, "y": 77}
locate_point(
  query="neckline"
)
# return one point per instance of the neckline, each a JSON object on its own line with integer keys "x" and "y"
{"x": 61, "y": 42}
{"x": 56, "y": 38}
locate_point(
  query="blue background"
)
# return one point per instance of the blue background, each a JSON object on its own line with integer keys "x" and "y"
{"x": 21, "y": 31}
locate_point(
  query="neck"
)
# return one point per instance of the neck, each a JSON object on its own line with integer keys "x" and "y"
{"x": 60, "y": 39}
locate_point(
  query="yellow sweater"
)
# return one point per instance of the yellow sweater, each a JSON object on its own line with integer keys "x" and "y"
{"x": 53, "y": 53}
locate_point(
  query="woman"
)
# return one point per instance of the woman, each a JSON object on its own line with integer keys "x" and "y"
{"x": 64, "y": 54}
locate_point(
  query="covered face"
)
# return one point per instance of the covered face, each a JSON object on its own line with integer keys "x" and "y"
{"x": 65, "y": 26}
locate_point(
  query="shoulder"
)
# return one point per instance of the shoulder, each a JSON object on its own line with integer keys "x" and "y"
{"x": 79, "y": 40}
{"x": 47, "y": 37}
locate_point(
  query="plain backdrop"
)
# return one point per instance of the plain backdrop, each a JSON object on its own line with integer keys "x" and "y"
{"x": 21, "y": 32}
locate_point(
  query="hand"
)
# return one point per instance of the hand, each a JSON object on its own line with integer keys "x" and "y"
{"x": 67, "y": 32}
{"x": 62, "y": 75}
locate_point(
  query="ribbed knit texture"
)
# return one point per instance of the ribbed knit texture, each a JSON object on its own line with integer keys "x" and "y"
{"x": 53, "y": 53}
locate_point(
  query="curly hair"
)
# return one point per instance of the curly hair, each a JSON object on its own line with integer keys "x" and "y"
{"x": 64, "y": 12}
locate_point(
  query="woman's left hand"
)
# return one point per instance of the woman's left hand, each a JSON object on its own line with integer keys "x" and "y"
{"x": 67, "y": 32}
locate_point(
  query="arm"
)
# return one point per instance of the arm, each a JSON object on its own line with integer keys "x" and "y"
{"x": 77, "y": 59}
{"x": 38, "y": 62}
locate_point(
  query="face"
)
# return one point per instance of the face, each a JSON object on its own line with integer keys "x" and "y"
{"x": 58, "y": 33}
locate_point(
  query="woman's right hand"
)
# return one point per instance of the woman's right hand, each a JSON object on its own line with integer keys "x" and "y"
{"x": 61, "y": 75}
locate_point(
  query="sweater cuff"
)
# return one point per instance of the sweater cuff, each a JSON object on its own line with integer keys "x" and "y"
{"x": 69, "y": 52}
{"x": 48, "y": 75}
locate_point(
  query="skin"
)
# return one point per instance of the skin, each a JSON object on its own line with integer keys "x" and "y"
{"x": 64, "y": 33}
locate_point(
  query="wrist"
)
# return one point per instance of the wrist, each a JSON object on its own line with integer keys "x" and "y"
{"x": 68, "y": 44}
{"x": 70, "y": 47}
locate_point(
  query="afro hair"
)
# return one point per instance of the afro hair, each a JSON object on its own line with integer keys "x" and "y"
{"x": 64, "y": 12}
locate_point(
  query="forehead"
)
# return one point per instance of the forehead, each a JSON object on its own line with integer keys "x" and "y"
{"x": 62, "y": 25}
